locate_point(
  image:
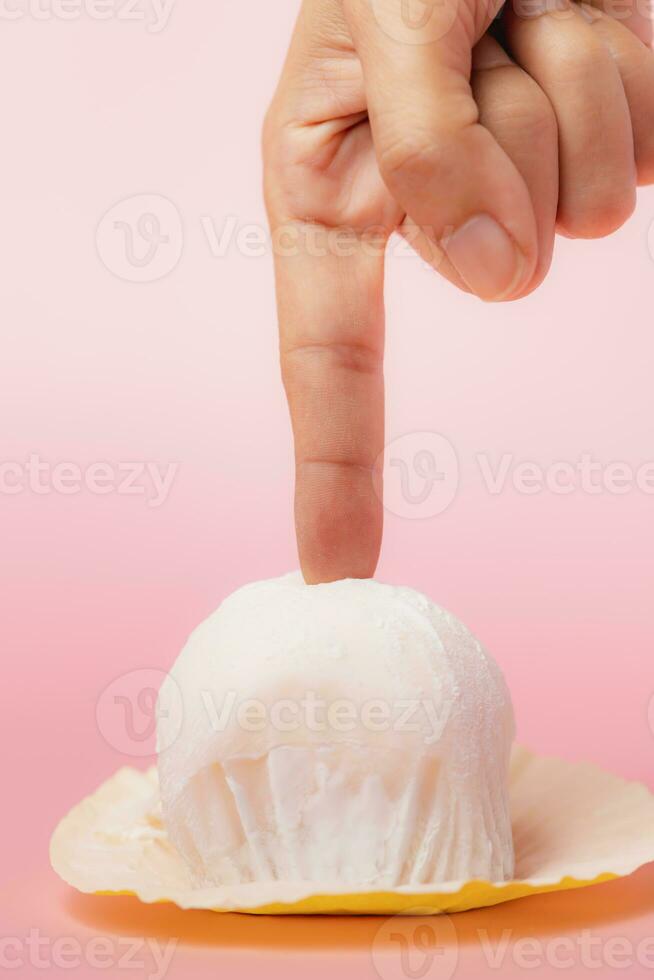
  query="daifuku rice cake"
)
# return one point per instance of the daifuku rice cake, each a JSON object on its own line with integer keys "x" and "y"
{"x": 352, "y": 734}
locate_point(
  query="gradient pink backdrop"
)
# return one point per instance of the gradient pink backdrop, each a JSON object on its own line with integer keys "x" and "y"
{"x": 184, "y": 370}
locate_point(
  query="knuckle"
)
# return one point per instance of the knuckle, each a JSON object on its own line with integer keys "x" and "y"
{"x": 532, "y": 118}
{"x": 582, "y": 67}
{"x": 512, "y": 101}
{"x": 304, "y": 362}
{"x": 568, "y": 61}
{"x": 539, "y": 124}
{"x": 410, "y": 155}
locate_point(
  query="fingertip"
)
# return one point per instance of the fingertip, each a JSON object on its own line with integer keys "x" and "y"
{"x": 319, "y": 573}
{"x": 338, "y": 519}
{"x": 599, "y": 218}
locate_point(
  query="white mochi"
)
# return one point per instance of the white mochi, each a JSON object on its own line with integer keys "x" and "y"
{"x": 350, "y": 734}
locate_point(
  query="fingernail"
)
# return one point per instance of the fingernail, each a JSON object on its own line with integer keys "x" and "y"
{"x": 486, "y": 258}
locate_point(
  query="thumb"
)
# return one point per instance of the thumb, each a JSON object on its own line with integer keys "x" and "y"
{"x": 447, "y": 172}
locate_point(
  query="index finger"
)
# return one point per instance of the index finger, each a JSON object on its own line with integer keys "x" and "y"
{"x": 331, "y": 322}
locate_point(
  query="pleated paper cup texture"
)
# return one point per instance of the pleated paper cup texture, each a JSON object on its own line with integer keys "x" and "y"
{"x": 573, "y": 825}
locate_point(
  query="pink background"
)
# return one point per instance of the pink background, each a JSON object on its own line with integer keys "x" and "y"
{"x": 184, "y": 370}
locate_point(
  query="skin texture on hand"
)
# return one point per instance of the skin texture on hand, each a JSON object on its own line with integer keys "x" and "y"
{"x": 477, "y": 138}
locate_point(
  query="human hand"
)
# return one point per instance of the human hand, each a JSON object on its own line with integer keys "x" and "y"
{"x": 477, "y": 151}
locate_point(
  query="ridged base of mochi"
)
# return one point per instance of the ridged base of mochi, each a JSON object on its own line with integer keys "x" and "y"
{"x": 348, "y": 814}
